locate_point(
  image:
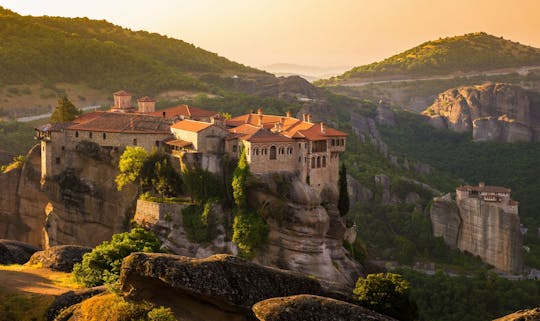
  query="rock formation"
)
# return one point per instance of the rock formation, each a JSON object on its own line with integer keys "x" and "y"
{"x": 59, "y": 258}
{"x": 311, "y": 307}
{"x": 79, "y": 206}
{"x": 14, "y": 252}
{"x": 480, "y": 228}
{"x": 522, "y": 315}
{"x": 493, "y": 112}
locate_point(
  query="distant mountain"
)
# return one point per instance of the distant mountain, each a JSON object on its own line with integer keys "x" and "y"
{"x": 309, "y": 73}
{"x": 103, "y": 55}
{"x": 467, "y": 53}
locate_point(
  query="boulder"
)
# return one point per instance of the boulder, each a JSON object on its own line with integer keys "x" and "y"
{"x": 70, "y": 298}
{"x": 313, "y": 308}
{"x": 15, "y": 252}
{"x": 522, "y": 315}
{"x": 60, "y": 258}
{"x": 223, "y": 282}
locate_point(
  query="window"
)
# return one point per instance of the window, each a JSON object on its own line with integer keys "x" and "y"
{"x": 299, "y": 159}
{"x": 313, "y": 162}
{"x": 63, "y": 147}
{"x": 257, "y": 151}
{"x": 333, "y": 142}
{"x": 234, "y": 148}
{"x": 57, "y": 160}
{"x": 135, "y": 141}
{"x": 324, "y": 161}
{"x": 77, "y": 134}
{"x": 104, "y": 136}
{"x": 319, "y": 162}
{"x": 273, "y": 152}
{"x": 90, "y": 135}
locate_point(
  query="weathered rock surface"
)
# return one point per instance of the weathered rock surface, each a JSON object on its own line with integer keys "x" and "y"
{"x": 59, "y": 258}
{"x": 385, "y": 115}
{"x": 15, "y": 252}
{"x": 69, "y": 299}
{"x": 522, "y": 315}
{"x": 220, "y": 285}
{"x": 79, "y": 206}
{"x": 313, "y": 308}
{"x": 493, "y": 112}
{"x": 304, "y": 236}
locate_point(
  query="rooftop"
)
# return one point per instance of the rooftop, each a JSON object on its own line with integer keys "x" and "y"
{"x": 484, "y": 188}
{"x": 119, "y": 123}
{"x": 191, "y": 125}
{"x": 185, "y": 111}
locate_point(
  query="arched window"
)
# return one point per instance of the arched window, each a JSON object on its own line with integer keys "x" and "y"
{"x": 281, "y": 151}
{"x": 135, "y": 141}
{"x": 324, "y": 161}
{"x": 104, "y": 136}
{"x": 313, "y": 162}
{"x": 76, "y": 134}
{"x": 257, "y": 151}
{"x": 90, "y": 135}
{"x": 319, "y": 162}
{"x": 273, "y": 152}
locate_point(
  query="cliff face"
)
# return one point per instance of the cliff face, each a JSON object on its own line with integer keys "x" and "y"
{"x": 79, "y": 206}
{"x": 479, "y": 228}
{"x": 493, "y": 112}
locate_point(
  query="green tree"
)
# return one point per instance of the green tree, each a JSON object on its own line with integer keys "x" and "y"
{"x": 102, "y": 265}
{"x": 130, "y": 165}
{"x": 387, "y": 293}
{"x": 239, "y": 181}
{"x": 343, "y": 202}
{"x": 65, "y": 111}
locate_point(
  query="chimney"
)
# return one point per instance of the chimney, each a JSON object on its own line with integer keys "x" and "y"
{"x": 304, "y": 117}
{"x": 288, "y": 114}
{"x": 146, "y": 105}
{"x": 260, "y": 111}
{"x": 260, "y": 120}
{"x": 482, "y": 184}
{"x": 323, "y": 128}
{"x": 282, "y": 120}
{"x": 309, "y": 118}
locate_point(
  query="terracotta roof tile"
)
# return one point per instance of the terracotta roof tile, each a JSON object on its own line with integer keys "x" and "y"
{"x": 191, "y": 125}
{"x": 183, "y": 111}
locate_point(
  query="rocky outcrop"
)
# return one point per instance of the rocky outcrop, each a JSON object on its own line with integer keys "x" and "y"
{"x": 522, "y": 315}
{"x": 59, "y": 258}
{"x": 217, "y": 287}
{"x": 79, "y": 206}
{"x": 493, "y": 112}
{"x": 480, "y": 228}
{"x": 14, "y": 252}
{"x": 385, "y": 115}
{"x": 311, "y": 307}
{"x": 305, "y": 236}
{"x": 445, "y": 219}
{"x": 71, "y": 298}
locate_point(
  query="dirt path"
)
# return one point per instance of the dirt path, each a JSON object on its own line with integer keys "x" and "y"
{"x": 20, "y": 279}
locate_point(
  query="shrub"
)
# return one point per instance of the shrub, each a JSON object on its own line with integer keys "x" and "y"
{"x": 202, "y": 185}
{"x": 197, "y": 223}
{"x": 102, "y": 265}
{"x": 161, "y": 314}
{"x": 387, "y": 293}
{"x": 250, "y": 231}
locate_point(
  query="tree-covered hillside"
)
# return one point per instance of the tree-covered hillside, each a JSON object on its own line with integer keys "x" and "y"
{"x": 102, "y": 55}
{"x": 470, "y": 52}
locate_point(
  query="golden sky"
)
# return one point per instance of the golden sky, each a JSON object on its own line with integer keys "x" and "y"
{"x": 308, "y": 32}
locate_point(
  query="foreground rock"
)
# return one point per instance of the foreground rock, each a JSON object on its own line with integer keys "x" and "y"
{"x": 60, "y": 258}
{"x": 522, "y": 315}
{"x": 220, "y": 287}
{"x": 313, "y": 308}
{"x": 493, "y": 112}
{"x": 69, "y": 299}
{"x": 15, "y": 252}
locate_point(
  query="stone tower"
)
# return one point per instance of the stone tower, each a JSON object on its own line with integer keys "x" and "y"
{"x": 122, "y": 102}
{"x": 146, "y": 105}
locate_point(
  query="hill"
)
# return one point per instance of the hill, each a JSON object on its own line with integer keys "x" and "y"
{"x": 102, "y": 55}
{"x": 452, "y": 55}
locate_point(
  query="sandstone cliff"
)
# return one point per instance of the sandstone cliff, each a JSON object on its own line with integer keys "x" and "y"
{"x": 479, "y": 228}
{"x": 493, "y": 112}
{"x": 79, "y": 206}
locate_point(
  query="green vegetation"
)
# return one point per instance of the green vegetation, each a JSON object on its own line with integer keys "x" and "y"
{"x": 343, "y": 201}
{"x": 198, "y": 223}
{"x": 102, "y": 265}
{"x": 446, "y": 56}
{"x": 16, "y": 138}
{"x": 113, "y": 307}
{"x": 482, "y": 296}
{"x": 130, "y": 165}
{"x": 202, "y": 185}
{"x": 18, "y": 162}
{"x": 250, "y": 231}
{"x": 387, "y": 293}
{"x": 65, "y": 111}
{"x": 105, "y": 56}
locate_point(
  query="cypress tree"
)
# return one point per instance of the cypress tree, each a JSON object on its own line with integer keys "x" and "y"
{"x": 65, "y": 111}
{"x": 343, "y": 202}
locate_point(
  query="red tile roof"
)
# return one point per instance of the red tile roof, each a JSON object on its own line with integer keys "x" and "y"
{"x": 256, "y": 134}
{"x": 178, "y": 142}
{"x": 145, "y": 99}
{"x": 112, "y": 122}
{"x": 191, "y": 125}
{"x": 183, "y": 111}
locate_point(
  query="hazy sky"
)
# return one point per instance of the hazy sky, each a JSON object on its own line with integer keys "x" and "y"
{"x": 311, "y": 32}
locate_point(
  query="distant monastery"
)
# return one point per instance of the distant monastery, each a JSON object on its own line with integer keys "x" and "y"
{"x": 272, "y": 143}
